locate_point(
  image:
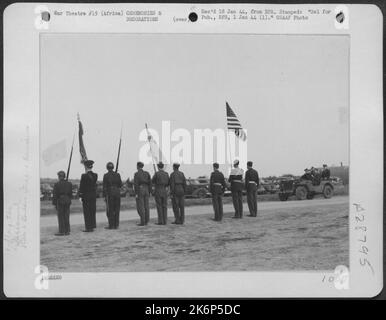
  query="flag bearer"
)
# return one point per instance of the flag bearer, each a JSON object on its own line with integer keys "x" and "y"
{"x": 236, "y": 181}
{"x": 112, "y": 184}
{"x": 87, "y": 192}
{"x": 62, "y": 195}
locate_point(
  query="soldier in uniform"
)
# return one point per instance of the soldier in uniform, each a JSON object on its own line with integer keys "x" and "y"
{"x": 87, "y": 192}
{"x": 251, "y": 185}
{"x": 161, "y": 182}
{"x": 177, "y": 193}
{"x": 236, "y": 181}
{"x": 325, "y": 173}
{"x": 112, "y": 184}
{"x": 62, "y": 195}
{"x": 142, "y": 186}
{"x": 217, "y": 187}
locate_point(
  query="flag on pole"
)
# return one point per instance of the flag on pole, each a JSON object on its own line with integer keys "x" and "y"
{"x": 82, "y": 150}
{"x": 54, "y": 153}
{"x": 234, "y": 124}
{"x": 155, "y": 151}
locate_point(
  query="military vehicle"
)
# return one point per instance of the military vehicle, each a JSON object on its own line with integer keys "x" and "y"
{"x": 197, "y": 188}
{"x": 305, "y": 189}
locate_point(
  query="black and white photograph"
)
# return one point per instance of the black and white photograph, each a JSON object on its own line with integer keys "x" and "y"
{"x": 193, "y": 150}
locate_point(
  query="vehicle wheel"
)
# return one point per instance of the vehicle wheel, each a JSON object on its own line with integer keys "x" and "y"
{"x": 310, "y": 196}
{"x": 301, "y": 193}
{"x": 283, "y": 196}
{"x": 328, "y": 192}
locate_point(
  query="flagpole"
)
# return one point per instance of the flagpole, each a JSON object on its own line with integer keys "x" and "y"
{"x": 69, "y": 161}
{"x": 119, "y": 150}
{"x": 151, "y": 151}
{"x": 228, "y": 139}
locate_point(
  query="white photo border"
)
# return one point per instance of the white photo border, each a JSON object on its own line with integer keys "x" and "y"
{"x": 22, "y": 275}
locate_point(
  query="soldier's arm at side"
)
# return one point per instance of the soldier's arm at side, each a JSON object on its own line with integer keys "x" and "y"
{"x": 136, "y": 184}
{"x": 120, "y": 181}
{"x": 184, "y": 182}
{"x": 224, "y": 185}
{"x": 70, "y": 190}
{"x": 246, "y": 179}
{"x": 171, "y": 184}
{"x": 104, "y": 185}
{"x": 211, "y": 183}
{"x": 81, "y": 186}
{"x": 55, "y": 195}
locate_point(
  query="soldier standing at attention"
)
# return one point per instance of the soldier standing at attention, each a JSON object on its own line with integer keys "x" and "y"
{"x": 217, "y": 187}
{"x": 177, "y": 193}
{"x": 87, "y": 192}
{"x": 142, "y": 185}
{"x": 62, "y": 195}
{"x": 112, "y": 184}
{"x": 235, "y": 179}
{"x": 161, "y": 182}
{"x": 251, "y": 185}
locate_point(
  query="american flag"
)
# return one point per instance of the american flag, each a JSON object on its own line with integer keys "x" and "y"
{"x": 82, "y": 150}
{"x": 234, "y": 124}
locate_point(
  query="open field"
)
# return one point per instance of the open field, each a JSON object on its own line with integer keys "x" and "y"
{"x": 295, "y": 235}
{"x": 128, "y": 203}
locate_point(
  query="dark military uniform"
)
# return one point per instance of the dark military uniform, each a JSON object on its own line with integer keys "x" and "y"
{"x": 326, "y": 174}
{"x": 112, "y": 184}
{"x": 251, "y": 185}
{"x": 87, "y": 191}
{"x": 142, "y": 185}
{"x": 161, "y": 181}
{"x": 235, "y": 179}
{"x": 177, "y": 190}
{"x": 217, "y": 187}
{"x": 62, "y": 195}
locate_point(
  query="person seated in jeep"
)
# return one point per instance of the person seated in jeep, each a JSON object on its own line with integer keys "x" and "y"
{"x": 307, "y": 175}
{"x": 316, "y": 176}
{"x": 325, "y": 173}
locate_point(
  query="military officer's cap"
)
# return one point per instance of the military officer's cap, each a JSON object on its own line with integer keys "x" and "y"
{"x": 216, "y": 165}
{"x": 324, "y": 165}
{"x": 160, "y": 165}
{"x": 249, "y": 163}
{"x": 61, "y": 173}
{"x": 236, "y": 162}
{"x": 110, "y": 165}
{"x": 140, "y": 164}
{"x": 176, "y": 165}
{"x": 89, "y": 163}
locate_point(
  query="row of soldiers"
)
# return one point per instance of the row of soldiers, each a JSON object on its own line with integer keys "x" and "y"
{"x": 143, "y": 183}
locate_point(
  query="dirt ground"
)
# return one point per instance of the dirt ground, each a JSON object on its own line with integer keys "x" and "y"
{"x": 310, "y": 236}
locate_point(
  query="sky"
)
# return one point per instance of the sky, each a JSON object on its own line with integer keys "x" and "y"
{"x": 291, "y": 93}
